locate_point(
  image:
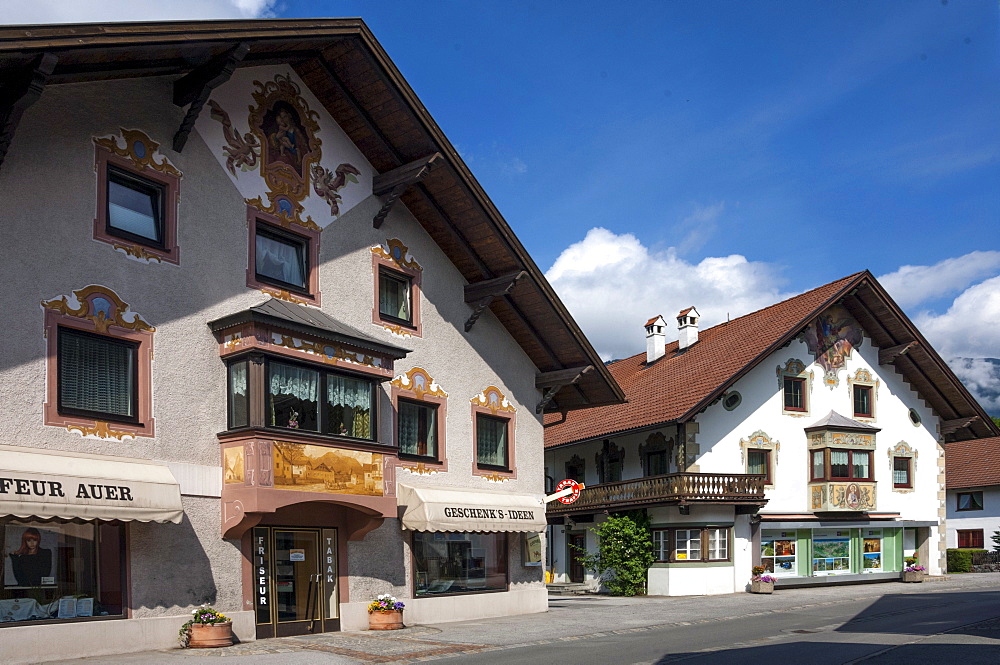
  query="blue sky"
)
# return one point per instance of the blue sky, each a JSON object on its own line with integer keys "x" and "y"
{"x": 654, "y": 155}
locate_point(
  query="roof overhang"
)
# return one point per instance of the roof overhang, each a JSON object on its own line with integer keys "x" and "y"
{"x": 349, "y": 71}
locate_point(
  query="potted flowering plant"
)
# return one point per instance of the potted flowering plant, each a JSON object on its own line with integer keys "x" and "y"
{"x": 761, "y": 583}
{"x": 914, "y": 573}
{"x": 385, "y": 613}
{"x": 206, "y": 628}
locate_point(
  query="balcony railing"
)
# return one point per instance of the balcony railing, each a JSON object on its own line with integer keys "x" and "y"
{"x": 673, "y": 488}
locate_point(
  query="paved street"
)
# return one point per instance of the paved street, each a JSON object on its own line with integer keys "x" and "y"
{"x": 953, "y": 620}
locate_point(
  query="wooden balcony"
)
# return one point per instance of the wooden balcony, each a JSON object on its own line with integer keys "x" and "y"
{"x": 671, "y": 489}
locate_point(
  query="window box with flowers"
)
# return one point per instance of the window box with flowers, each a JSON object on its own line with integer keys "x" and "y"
{"x": 385, "y": 613}
{"x": 206, "y": 628}
{"x": 914, "y": 573}
{"x": 761, "y": 583}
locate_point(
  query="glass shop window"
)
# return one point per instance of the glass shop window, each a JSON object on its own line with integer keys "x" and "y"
{"x": 871, "y": 550}
{"x": 61, "y": 571}
{"x": 831, "y": 552}
{"x": 777, "y": 552}
{"x": 459, "y": 563}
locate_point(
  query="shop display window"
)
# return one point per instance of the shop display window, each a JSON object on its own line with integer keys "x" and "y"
{"x": 54, "y": 571}
{"x": 831, "y": 552}
{"x": 871, "y": 551}
{"x": 459, "y": 563}
{"x": 777, "y": 552}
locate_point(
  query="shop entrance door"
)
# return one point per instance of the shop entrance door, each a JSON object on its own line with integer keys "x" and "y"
{"x": 295, "y": 575}
{"x": 574, "y": 541}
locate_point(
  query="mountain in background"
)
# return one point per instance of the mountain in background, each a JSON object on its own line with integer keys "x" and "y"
{"x": 982, "y": 377}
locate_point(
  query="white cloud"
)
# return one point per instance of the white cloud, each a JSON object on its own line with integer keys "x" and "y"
{"x": 982, "y": 378}
{"x": 912, "y": 285}
{"x": 969, "y": 328}
{"x": 91, "y": 11}
{"x": 612, "y": 284}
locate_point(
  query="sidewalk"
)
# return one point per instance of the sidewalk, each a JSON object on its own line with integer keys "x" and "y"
{"x": 568, "y": 618}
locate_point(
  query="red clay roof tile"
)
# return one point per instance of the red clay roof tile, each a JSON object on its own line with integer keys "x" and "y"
{"x": 973, "y": 463}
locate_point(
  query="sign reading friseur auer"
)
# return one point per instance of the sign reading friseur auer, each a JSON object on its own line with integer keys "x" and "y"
{"x": 54, "y": 489}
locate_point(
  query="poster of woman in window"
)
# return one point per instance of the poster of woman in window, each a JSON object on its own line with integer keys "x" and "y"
{"x": 29, "y": 559}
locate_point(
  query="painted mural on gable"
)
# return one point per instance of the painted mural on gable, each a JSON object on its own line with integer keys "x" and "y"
{"x": 831, "y": 339}
{"x": 286, "y": 156}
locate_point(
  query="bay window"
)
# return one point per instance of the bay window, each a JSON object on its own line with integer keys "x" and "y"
{"x": 838, "y": 464}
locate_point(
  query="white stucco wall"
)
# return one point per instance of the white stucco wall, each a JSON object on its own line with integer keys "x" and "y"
{"x": 987, "y": 519}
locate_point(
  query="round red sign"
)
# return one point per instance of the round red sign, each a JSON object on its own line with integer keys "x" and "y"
{"x": 567, "y": 484}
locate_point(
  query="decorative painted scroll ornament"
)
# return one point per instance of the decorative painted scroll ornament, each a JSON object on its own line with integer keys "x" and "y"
{"x": 420, "y": 382}
{"x": 327, "y": 184}
{"x": 241, "y": 151}
{"x": 138, "y": 148}
{"x": 99, "y": 429}
{"x": 494, "y": 400}
{"x": 101, "y": 306}
{"x": 394, "y": 250}
{"x": 832, "y": 338}
{"x": 137, "y": 251}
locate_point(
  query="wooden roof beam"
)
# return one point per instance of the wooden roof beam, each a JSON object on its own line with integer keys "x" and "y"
{"x": 481, "y": 294}
{"x": 951, "y": 426}
{"x": 196, "y": 86}
{"x": 888, "y": 356}
{"x": 21, "y": 92}
{"x": 552, "y": 382}
{"x": 392, "y": 184}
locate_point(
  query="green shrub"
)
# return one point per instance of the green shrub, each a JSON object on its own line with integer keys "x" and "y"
{"x": 960, "y": 561}
{"x": 625, "y": 552}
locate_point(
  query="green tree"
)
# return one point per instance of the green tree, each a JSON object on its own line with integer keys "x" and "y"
{"x": 625, "y": 552}
{"x": 996, "y": 421}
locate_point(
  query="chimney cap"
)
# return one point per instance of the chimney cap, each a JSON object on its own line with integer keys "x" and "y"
{"x": 653, "y": 320}
{"x": 690, "y": 311}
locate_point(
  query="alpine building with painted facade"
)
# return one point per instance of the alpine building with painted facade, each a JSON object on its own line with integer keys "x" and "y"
{"x": 269, "y": 344}
{"x": 807, "y": 438}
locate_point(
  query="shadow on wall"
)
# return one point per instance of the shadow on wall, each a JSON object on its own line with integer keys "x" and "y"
{"x": 179, "y": 577}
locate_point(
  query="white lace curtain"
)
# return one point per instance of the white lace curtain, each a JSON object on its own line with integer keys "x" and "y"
{"x": 279, "y": 260}
{"x": 295, "y": 381}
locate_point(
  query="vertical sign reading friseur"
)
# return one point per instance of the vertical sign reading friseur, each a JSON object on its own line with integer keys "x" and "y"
{"x": 261, "y": 576}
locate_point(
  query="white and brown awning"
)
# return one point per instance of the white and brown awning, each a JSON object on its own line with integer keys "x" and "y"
{"x": 457, "y": 509}
{"x": 47, "y": 484}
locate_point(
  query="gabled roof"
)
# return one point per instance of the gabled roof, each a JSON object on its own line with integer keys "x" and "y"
{"x": 347, "y": 69}
{"x": 676, "y": 387}
{"x": 974, "y": 463}
{"x": 309, "y": 321}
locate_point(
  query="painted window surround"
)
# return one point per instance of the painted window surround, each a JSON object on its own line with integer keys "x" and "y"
{"x": 417, "y": 385}
{"x": 904, "y": 451}
{"x": 98, "y": 310}
{"x": 137, "y": 158}
{"x": 394, "y": 257}
{"x": 492, "y": 402}
{"x": 759, "y": 440}
{"x": 795, "y": 369}
{"x": 311, "y": 237}
{"x": 863, "y": 378}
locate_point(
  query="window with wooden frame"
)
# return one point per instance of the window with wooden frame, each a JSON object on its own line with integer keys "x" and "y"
{"x": 305, "y": 398}
{"x": 691, "y": 544}
{"x": 397, "y": 278}
{"x": 137, "y": 198}
{"x": 902, "y": 472}
{"x": 759, "y": 463}
{"x": 970, "y": 501}
{"x": 794, "y": 394}
{"x": 420, "y": 408}
{"x": 863, "y": 406}
{"x": 840, "y": 464}
{"x": 99, "y": 365}
{"x": 576, "y": 469}
{"x": 282, "y": 261}
{"x": 971, "y": 539}
{"x": 492, "y": 442}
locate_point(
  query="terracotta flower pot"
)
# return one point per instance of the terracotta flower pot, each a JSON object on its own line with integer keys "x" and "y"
{"x": 757, "y": 586}
{"x": 913, "y": 576}
{"x": 392, "y": 620}
{"x": 207, "y": 635}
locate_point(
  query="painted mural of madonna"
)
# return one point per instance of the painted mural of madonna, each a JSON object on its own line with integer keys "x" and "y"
{"x": 287, "y": 141}
{"x": 832, "y": 338}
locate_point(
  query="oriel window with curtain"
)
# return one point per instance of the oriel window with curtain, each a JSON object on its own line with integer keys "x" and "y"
{"x": 417, "y": 431}
{"x": 293, "y": 396}
{"x": 349, "y": 406}
{"x": 491, "y": 441}
{"x": 394, "y": 296}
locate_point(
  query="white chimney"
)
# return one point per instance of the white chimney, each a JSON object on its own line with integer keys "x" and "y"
{"x": 656, "y": 338}
{"x": 687, "y": 328}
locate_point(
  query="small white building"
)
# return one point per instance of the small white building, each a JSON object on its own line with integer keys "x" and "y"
{"x": 805, "y": 438}
{"x": 973, "y": 493}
